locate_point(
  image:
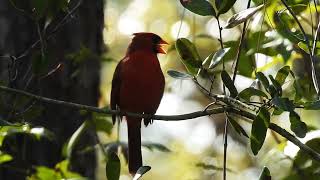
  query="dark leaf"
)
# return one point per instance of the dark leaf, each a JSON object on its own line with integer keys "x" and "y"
{"x": 156, "y": 146}
{"x": 189, "y": 55}
{"x": 211, "y": 167}
{"x": 179, "y": 75}
{"x": 265, "y": 174}
{"x": 303, "y": 159}
{"x": 277, "y": 87}
{"x": 224, "y": 6}
{"x": 259, "y": 130}
{"x": 227, "y": 81}
{"x": 282, "y": 74}
{"x": 283, "y": 103}
{"x": 315, "y": 105}
{"x": 247, "y": 93}
{"x": 101, "y": 123}
{"x": 218, "y": 56}
{"x": 241, "y": 17}
{"x": 200, "y": 7}
{"x": 141, "y": 171}
{"x": 297, "y": 126}
{"x": 113, "y": 167}
{"x": 263, "y": 79}
{"x": 237, "y": 127}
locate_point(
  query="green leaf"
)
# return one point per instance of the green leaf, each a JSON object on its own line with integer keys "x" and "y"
{"x": 200, "y": 7}
{"x": 156, "y": 146}
{"x": 247, "y": 93}
{"x": 259, "y": 130}
{"x": 227, "y": 81}
{"x": 282, "y": 74}
{"x": 263, "y": 79}
{"x": 224, "y": 6}
{"x": 141, "y": 171}
{"x": 275, "y": 86}
{"x": 237, "y": 127}
{"x": 5, "y": 157}
{"x": 189, "y": 55}
{"x": 101, "y": 122}
{"x": 265, "y": 174}
{"x": 179, "y": 75}
{"x": 315, "y": 105}
{"x": 212, "y": 167}
{"x": 303, "y": 159}
{"x": 113, "y": 167}
{"x": 241, "y": 17}
{"x": 297, "y": 126}
{"x": 75, "y": 138}
{"x": 218, "y": 56}
{"x": 283, "y": 103}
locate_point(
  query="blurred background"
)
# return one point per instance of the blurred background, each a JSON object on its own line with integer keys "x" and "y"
{"x": 68, "y": 50}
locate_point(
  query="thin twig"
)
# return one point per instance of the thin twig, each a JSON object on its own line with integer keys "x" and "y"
{"x": 235, "y": 70}
{"x": 313, "y": 154}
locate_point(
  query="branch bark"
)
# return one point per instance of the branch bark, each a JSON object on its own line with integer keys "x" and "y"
{"x": 290, "y": 137}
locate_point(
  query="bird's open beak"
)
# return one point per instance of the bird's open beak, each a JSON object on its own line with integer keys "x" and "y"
{"x": 160, "y": 48}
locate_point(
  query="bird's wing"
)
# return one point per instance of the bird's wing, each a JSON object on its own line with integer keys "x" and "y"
{"x": 115, "y": 90}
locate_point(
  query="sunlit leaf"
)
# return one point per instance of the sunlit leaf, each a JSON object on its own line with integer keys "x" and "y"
{"x": 282, "y": 74}
{"x": 179, "y": 75}
{"x": 237, "y": 127}
{"x": 189, "y": 55}
{"x": 141, "y": 171}
{"x": 259, "y": 130}
{"x": 241, "y": 17}
{"x": 200, "y": 7}
{"x": 218, "y": 56}
{"x": 224, "y": 6}
{"x": 113, "y": 167}
{"x": 247, "y": 93}
{"x": 265, "y": 174}
{"x": 297, "y": 126}
{"x": 5, "y": 157}
{"x": 227, "y": 81}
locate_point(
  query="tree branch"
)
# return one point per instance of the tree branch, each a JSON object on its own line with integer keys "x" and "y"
{"x": 312, "y": 153}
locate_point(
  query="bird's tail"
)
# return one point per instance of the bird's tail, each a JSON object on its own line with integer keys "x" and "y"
{"x": 134, "y": 142}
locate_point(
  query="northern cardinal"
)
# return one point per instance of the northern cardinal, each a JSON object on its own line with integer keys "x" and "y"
{"x": 137, "y": 86}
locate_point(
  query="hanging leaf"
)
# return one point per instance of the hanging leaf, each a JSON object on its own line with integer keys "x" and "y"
{"x": 218, "y": 56}
{"x": 282, "y": 74}
{"x": 189, "y": 55}
{"x": 179, "y": 75}
{"x": 241, "y": 17}
{"x": 259, "y": 130}
{"x": 263, "y": 79}
{"x": 265, "y": 174}
{"x": 75, "y": 138}
{"x": 200, "y": 7}
{"x": 297, "y": 126}
{"x": 141, "y": 171}
{"x": 113, "y": 167}
{"x": 227, "y": 81}
{"x": 224, "y": 6}
{"x": 247, "y": 93}
{"x": 237, "y": 127}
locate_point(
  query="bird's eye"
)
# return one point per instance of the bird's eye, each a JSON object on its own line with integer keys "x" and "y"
{"x": 155, "y": 39}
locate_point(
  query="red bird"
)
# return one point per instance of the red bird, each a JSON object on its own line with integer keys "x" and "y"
{"x": 137, "y": 86}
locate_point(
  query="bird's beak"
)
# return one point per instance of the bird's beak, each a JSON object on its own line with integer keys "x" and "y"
{"x": 160, "y": 48}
